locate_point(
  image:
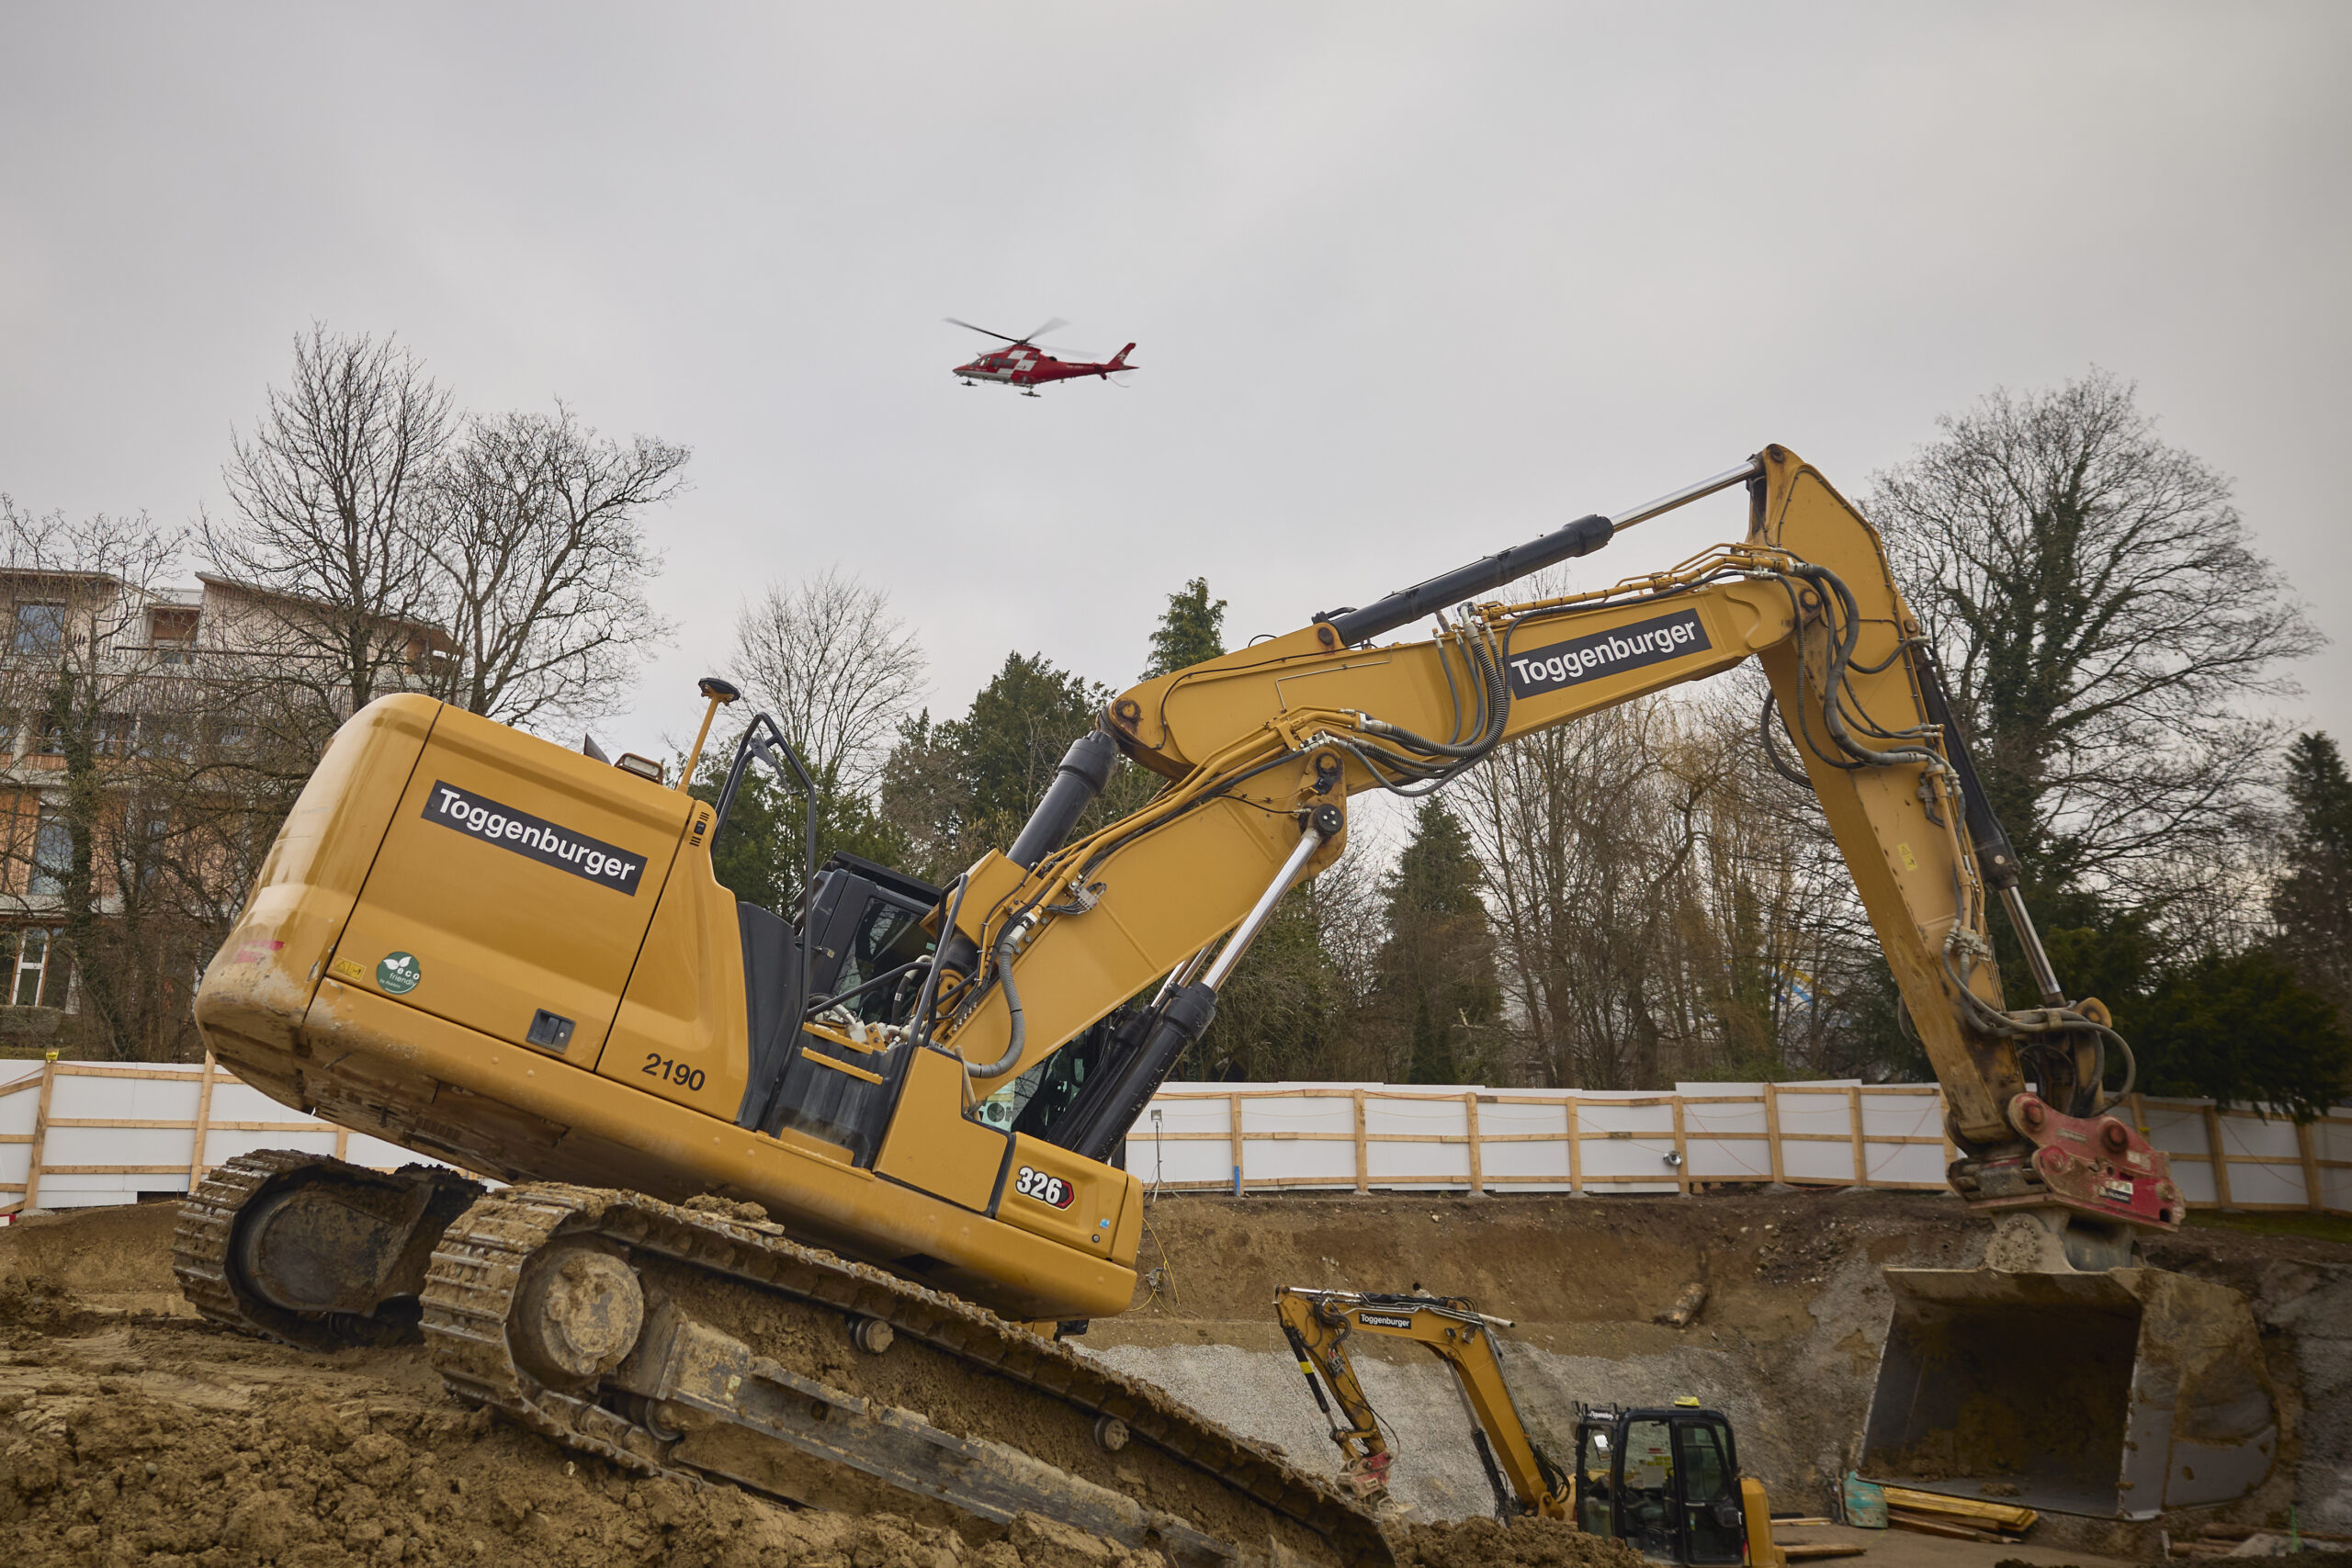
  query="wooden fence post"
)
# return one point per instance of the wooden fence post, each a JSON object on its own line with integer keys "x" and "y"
{"x": 1861, "y": 1158}
{"x": 203, "y": 1123}
{"x": 1772, "y": 1130}
{"x": 1363, "y": 1151}
{"x": 1233, "y": 1103}
{"x": 1478, "y": 1169}
{"x": 2221, "y": 1161}
{"x": 2312, "y": 1190}
{"x": 40, "y": 1135}
{"x": 1682, "y": 1151}
{"x": 1575, "y": 1148}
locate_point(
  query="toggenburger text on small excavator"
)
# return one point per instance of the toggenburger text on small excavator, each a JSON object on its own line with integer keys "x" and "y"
{"x": 746, "y": 1146}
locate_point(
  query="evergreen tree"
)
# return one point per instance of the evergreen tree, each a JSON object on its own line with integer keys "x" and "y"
{"x": 2237, "y": 1028}
{"x": 1007, "y": 747}
{"x": 1437, "y": 985}
{"x": 957, "y": 788}
{"x": 2312, "y": 904}
{"x": 1192, "y": 630}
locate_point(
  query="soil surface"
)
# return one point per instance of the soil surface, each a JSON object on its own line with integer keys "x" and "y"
{"x": 131, "y": 1432}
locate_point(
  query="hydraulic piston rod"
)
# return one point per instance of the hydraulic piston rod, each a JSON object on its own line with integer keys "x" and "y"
{"x": 1580, "y": 537}
{"x": 1151, "y": 1043}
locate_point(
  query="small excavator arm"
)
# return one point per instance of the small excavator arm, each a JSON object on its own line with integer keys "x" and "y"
{"x": 1318, "y": 1325}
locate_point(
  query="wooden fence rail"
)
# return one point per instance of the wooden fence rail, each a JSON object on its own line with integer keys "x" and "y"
{"x": 1265, "y": 1138}
{"x": 95, "y": 1133}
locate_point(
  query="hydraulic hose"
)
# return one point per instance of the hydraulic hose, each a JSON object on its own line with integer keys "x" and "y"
{"x": 1020, "y": 1030}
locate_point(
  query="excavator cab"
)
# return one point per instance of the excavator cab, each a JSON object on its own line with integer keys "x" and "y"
{"x": 868, "y": 949}
{"x": 1664, "y": 1481}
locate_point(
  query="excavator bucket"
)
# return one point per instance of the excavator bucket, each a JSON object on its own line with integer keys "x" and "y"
{"x": 2113, "y": 1394}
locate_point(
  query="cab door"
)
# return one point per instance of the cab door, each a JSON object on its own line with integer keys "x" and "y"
{"x": 1650, "y": 1505}
{"x": 1595, "y": 1480}
{"x": 1706, "y": 1474}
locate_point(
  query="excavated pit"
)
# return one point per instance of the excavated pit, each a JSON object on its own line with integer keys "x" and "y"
{"x": 265, "y": 1454}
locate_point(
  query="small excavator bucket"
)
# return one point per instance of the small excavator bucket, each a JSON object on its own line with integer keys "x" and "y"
{"x": 2114, "y": 1394}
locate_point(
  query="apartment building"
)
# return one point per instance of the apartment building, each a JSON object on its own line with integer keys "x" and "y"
{"x": 133, "y": 724}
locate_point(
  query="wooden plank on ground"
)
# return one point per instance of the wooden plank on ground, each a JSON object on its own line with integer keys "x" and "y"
{"x": 2002, "y": 1516}
{"x": 1925, "y": 1525}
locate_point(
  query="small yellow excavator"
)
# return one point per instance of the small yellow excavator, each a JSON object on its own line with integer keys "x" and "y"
{"x": 741, "y": 1138}
{"x": 1664, "y": 1481}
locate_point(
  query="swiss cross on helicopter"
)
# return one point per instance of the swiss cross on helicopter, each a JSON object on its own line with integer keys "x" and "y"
{"x": 1025, "y": 365}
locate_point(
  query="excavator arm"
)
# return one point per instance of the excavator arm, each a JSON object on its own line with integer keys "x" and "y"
{"x": 1318, "y": 1325}
{"x": 1264, "y": 747}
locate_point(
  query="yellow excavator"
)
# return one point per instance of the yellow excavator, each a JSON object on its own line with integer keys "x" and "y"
{"x": 1663, "y": 1480}
{"x": 740, "y": 1140}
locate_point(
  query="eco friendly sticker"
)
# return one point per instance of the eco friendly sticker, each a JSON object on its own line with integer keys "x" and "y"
{"x": 399, "y": 973}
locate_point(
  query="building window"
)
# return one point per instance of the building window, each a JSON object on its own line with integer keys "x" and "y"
{"x": 32, "y": 984}
{"x": 171, "y": 634}
{"x": 52, "y": 854}
{"x": 41, "y": 628}
{"x": 154, "y": 830}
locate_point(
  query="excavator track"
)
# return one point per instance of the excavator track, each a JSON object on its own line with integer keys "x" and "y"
{"x": 682, "y": 1341}
{"x": 205, "y": 1245}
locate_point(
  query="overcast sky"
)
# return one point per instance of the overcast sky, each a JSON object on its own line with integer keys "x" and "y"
{"x": 1408, "y": 283}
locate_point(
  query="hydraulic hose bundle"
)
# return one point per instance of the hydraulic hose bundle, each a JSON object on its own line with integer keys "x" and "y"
{"x": 2041, "y": 1033}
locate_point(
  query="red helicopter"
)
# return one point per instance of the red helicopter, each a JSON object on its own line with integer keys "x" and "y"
{"x": 1023, "y": 365}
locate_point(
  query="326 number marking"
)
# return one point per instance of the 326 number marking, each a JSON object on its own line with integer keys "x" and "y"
{"x": 669, "y": 1071}
{"x": 1049, "y": 1190}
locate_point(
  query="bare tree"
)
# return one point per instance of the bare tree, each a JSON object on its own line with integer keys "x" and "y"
{"x": 2104, "y": 618}
{"x": 837, "y": 668}
{"x": 332, "y": 500}
{"x": 1587, "y": 834}
{"x": 539, "y": 543}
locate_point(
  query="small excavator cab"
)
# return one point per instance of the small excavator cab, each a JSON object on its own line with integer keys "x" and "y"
{"x": 1664, "y": 1481}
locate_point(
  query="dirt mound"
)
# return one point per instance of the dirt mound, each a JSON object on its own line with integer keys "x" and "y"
{"x": 1523, "y": 1543}
{"x": 118, "y": 1258}
{"x": 170, "y": 1442}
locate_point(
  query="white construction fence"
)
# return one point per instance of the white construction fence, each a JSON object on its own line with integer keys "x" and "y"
{"x": 79, "y": 1133}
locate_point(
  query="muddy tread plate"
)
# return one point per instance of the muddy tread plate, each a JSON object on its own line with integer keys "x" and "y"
{"x": 206, "y": 1231}
{"x": 477, "y": 1272}
{"x": 207, "y": 1227}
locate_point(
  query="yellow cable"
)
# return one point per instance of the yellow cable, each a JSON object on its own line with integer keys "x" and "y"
{"x": 1167, "y": 1270}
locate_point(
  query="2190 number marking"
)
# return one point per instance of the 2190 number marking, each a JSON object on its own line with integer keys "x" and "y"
{"x": 668, "y": 1071}
{"x": 1049, "y": 1189}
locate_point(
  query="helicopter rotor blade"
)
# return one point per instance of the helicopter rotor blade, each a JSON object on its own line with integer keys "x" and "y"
{"x": 984, "y": 331}
{"x": 1040, "y": 331}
